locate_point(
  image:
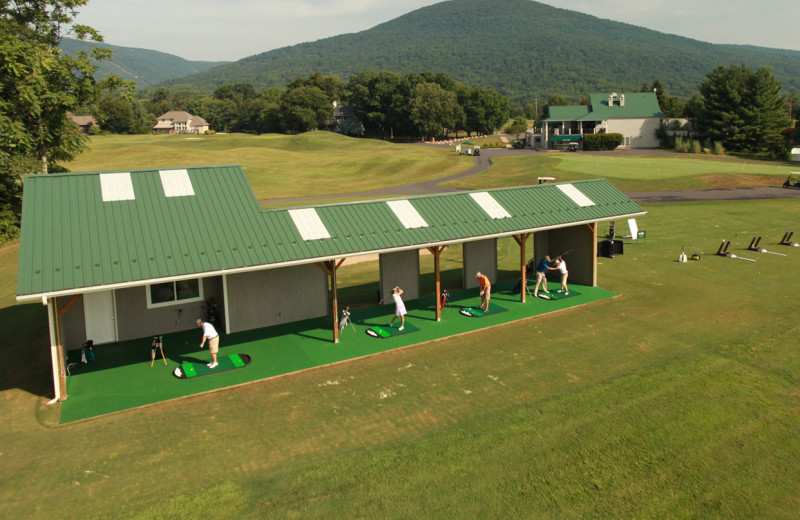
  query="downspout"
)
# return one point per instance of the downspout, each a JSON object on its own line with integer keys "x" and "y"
{"x": 56, "y": 356}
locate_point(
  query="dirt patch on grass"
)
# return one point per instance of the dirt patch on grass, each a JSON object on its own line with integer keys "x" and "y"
{"x": 739, "y": 180}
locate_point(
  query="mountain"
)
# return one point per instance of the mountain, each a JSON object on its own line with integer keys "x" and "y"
{"x": 144, "y": 66}
{"x": 525, "y": 50}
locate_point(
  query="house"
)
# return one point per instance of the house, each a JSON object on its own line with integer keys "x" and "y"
{"x": 635, "y": 115}
{"x": 180, "y": 122}
{"x": 127, "y": 254}
{"x": 345, "y": 121}
{"x": 85, "y": 123}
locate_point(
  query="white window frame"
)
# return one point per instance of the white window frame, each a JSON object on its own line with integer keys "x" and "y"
{"x": 199, "y": 298}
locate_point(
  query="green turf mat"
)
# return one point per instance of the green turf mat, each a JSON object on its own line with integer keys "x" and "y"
{"x": 120, "y": 377}
{"x": 385, "y": 331}
{"x": 558, "y": 296}
{"x": 190, "y": 369}
{"x": 475, "y": 312}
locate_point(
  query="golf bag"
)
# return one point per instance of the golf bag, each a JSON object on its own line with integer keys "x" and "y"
{"x": 87, "y": 351}
{"x": 444, "y": 299}
{"x": 212, "y": 312}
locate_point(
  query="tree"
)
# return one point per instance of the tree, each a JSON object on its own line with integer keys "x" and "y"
{"x": 433, "y": 109}
{"x": 485, "y": 109}
{"x": 518, "y": 127}
{"x": 743, "y": 109}
{"x": 38, "y": 87}
{"x": 305, "y": 108}
{"x": 373, "y": 96}
{"x": 115, "y": 114}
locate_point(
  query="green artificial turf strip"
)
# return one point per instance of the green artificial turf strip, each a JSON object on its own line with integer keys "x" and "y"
{"x": 476, "y": 312}
{"x": 121, "y": 377}
{"x": 386, "y": 331}
{"x": 194, "y": 369}
{"x": 559, "y": 296}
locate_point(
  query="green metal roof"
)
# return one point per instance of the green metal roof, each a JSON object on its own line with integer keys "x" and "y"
{"x": 72, "y": 240}
{"x": 566, "y": 137}
{"x": 638, "y": 105}
{"x": 567, "y": 112}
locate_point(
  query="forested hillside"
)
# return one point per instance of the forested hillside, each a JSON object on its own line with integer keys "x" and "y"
{"x": 523, "y": 49}
{"x": 143, "y": 66}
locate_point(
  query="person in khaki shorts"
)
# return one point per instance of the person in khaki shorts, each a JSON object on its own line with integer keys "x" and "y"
{"x": 210, "y": 334}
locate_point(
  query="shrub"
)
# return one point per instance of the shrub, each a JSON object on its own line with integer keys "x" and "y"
{"x": 597, "y": 142}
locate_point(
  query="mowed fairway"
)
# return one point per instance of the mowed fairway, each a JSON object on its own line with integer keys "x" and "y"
{"x": 678, "y": 399}
{"x": 279, "y": 166}
{"x": 631, "y": 173}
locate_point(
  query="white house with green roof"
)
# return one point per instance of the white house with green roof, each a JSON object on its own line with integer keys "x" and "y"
{"x": 635, "y": 115}
{"x": 131, "y": 254}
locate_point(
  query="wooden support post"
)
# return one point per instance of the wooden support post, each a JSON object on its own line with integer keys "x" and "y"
{"x": 330, "y": 267}
{"x": 523, "y": 288}
{"x": 436, "y": 251}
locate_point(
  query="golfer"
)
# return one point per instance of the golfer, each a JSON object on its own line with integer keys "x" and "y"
{"x": 561, "y": 267}
{"x": 541, "y": 272}
{"x": 210, "y": 334}
{"x": 486, "y": 291}
{"x": 399, "y": 308}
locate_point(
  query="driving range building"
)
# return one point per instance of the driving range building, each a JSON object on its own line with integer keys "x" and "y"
{"x": 130, "y": 254}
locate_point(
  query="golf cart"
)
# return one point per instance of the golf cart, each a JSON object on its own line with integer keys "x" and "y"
{"x": 572, "y": 147}
{"x": 793, "y": 181}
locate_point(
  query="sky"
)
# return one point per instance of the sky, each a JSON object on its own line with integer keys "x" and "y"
{"x": 229, "y": 30}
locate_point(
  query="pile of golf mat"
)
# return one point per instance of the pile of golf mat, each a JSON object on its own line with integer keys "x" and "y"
{"x": 557, "y": 295}
{"x": 476, "y": 312}
{"x": 189, "y": 370}
{"x": 385, "y": 331}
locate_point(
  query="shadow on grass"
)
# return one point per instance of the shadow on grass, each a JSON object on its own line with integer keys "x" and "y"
{"x": 25, "y": 356}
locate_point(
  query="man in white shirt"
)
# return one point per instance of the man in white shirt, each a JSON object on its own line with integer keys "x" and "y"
{"x": 210, "y": 334}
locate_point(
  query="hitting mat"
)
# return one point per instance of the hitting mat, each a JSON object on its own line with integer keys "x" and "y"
{"x": 558, "y": 296}
{"x": 385, "y": 331}
{"x": 232, "y": 362}
{"x": 475, "y": 312}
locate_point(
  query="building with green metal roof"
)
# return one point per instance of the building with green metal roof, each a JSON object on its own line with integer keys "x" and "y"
{"x": 130, "y": 254}
{"x": 635, "y": 115}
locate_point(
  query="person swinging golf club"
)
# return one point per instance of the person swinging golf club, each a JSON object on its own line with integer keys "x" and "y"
{"x": 399, "y": 308}
{"x": 211, "y": 335}
{"x": 486, "y": 290}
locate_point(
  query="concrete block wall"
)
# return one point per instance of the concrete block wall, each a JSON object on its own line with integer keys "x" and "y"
{"x": 399, "y": 269}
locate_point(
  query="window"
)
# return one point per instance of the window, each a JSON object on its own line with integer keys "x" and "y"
{"x": 171, "y": 293}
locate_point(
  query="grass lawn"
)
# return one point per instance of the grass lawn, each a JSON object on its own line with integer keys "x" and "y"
{"x": 678, "y": 399}
{"x": 312, "y": 164}
{"x": 631, "y": 173}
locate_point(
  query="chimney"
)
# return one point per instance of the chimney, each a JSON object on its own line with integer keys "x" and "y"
{"x": 611, "y": 100}
{"x": 622, "y": 100}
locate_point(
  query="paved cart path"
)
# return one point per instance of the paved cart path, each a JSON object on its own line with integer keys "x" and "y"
{"x": 484, "y": 161}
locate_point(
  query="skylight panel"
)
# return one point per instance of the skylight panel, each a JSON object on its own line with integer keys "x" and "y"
{"x": 489, "y": 205}
{"x": 116, "y": 186}
{"x": 577, "y": 197}
{"x": 176, "y": 183}
{"x": 407, "y": 214}
{"x": 309, "y": 224}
